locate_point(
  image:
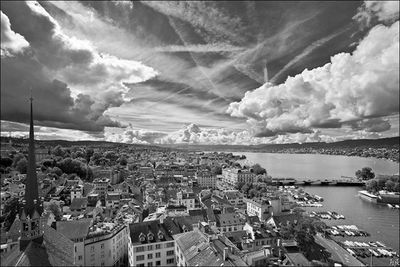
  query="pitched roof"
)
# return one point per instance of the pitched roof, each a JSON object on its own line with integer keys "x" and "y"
{"x": 78, "y": 203}
{"x": 153, "y": 227}
{"x": 228, "y": 219}
{"x": 56, "y": 250}
{"x": 74, "y": 229}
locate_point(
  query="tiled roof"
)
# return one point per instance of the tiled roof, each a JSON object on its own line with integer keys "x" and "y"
{"x": 74, "y": 229}
{"x": 228, "y": 219}
{"x": 144, "y": 228}
{"x": 78, "y": 203}
{"x": 56, "y": 250}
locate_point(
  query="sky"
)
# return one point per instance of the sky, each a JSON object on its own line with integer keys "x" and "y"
{"x": 224, "y": 72}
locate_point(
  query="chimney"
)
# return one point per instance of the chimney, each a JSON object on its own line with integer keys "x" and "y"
{"x": 225, "y": 255}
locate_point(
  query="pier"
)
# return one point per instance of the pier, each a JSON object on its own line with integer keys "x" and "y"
{"x": 326, "y": 182}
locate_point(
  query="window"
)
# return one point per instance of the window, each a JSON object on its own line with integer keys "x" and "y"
{"x": 170, "y": 261}
{"x": 170, "y": 252}
{"x": 150, "y": 247}
{"x": 170, "y": 245}
{"x": 140, "y": 257}
{"x": 139, "y": 249}
{"x": 92, "y": 248}
{"x": 79, "y": 258}
{"x": 150, "y": 264}
{"x": 149, "y": 256}
{"x": 102, "y": 245}
{"x": 158, "y": 263}
{"x": 158, "y": 255}
{"x": 140, "y": 265}
{"x": 158, "y": 246}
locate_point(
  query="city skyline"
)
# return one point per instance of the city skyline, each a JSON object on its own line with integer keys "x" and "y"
{"x": 208, "y": 73}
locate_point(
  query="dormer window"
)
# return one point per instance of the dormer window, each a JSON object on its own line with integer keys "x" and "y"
{"x": 150, "y": 236}
{"x": 160, "y": 235}
{"x": 142, "y": 237}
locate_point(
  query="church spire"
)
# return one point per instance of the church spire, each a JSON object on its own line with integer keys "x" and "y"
{"x": 31, "y": 211}
{"x": 31, "y": 186}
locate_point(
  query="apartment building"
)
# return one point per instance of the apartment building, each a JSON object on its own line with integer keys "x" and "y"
{"x": 100, "y": 187}
{"x": 259, "y": 207}
{"x": 150, "y": 244}
{"x": 234, "y": 176}
{"x": 103, "y": 244}
{"x": 186, "y": 199}
{"x": 206, "y": 179}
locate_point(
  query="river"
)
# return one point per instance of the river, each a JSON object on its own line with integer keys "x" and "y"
{"x": 318, "y": 166}
{"x": 379, "y": 220}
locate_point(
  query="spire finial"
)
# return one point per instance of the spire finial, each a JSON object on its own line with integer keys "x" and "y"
{"x": 30, "y": 98}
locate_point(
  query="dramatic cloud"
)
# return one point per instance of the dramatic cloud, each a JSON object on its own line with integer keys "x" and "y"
{"x": 386, "y": 11}
{"x": 193, "y": 134}
{"x": 97, "y": 66}
{"x": 352, "y": 87}
{"x": 371, "y": 125}
{"x": 11, "y": 42}
{"x": 73, "y": 84}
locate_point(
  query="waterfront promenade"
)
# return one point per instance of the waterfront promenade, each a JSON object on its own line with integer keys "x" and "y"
{"x": 338, "y": 254}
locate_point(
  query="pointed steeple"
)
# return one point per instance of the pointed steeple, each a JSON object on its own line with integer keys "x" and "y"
{"x": 31, "y": 186}
{"x": 31, "y": 229}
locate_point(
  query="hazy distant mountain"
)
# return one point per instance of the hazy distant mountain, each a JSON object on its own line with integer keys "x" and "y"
{"x": 392, "y": 142}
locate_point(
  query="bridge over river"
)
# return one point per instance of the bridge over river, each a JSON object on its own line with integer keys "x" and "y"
{"x": 320, "y": 182}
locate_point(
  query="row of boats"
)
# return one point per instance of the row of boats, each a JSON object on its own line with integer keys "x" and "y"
{"x": 393, "y": 206}
{"x": 349, "y": 230}
{"x": 362, "y": 249}
{"x": 327, "y": 215}
{"x": 309, "y": 204}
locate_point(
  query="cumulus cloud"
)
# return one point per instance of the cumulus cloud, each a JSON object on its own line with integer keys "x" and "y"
{"x": 384, "y": 11}
{"x": 132, "y": 136}
{"x": 193, "y": 134}
{"x": 352, "y": 87}
{"x": 371, "y": 125}
{"x": 11, "y": 42}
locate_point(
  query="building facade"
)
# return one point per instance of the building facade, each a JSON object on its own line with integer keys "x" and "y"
{"x": 206, "y": 179}
{"x": 150, "y": 244}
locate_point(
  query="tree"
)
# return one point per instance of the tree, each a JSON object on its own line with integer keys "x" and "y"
{"x": 11, "y": 209}
{"x": 22, "y": 166}
{"x": 55, "y": 209}
{"x": 365, "y": 173}
{"x": 58, "y": 151}
{"x": 57, "y": 171}
{"x": 372, "y": 186}
{"x": 123, "y": 161}
{"x": 390, "y": 185}
{"x": 257, "y": 169}
{"x": 17, "y": 158}
{"x": 216, "y": 170}
{"x": 6, "y": 162}
{"x": 239, "y": 185}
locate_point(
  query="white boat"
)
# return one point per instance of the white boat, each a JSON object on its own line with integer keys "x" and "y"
{"x": 374, "y": 252}
{"x": 390, "y": 206}
{"x": 351, "y": 252}
{"x": 397, "y": 206}
{"x": 380, "y": 244}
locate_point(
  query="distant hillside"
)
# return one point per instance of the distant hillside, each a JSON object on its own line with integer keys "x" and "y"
{"x": 392, "y": 142}
{"x": 83, "y": 143}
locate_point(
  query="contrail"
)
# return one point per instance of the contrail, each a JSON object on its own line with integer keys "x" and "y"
{"x": 308, "y": 51}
